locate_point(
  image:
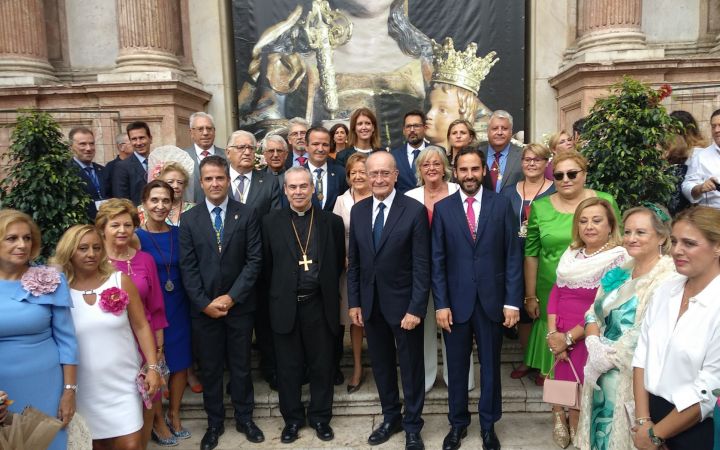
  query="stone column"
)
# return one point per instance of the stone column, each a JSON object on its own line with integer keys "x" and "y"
{"x": 149, "y": 35}
{"x": 609, "y": 25}
{"x": 23, "y": 44}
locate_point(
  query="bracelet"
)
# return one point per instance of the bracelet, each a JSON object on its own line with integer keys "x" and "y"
{"x": 529, "y": 298}
{"x": 160, "y": 348}
{"x": 155, "y": 367}
{"x": 642, "y": 420}
{"x": 550, "y": 333}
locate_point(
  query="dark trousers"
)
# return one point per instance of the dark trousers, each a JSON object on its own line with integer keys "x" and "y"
{"x": 698, "y": 437}
{"x": 217, "y": 340}
{"x": 383, "y": 339}
{"x": 263, "y": 334}
{"x": 310, "y": 344}
{"x": 458, "y": 346}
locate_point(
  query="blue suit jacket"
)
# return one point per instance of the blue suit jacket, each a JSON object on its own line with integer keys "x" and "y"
{"x": 95, "y": 194}
{"x": 406, "y": 179}
{"x": 399, "y": 268}
{"x": 336, "y": 185}
{"x": 487, "y": 271}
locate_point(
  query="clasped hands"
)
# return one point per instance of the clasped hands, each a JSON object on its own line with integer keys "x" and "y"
{"x": 219, "y": 307}
{"x": 408, "y": 322}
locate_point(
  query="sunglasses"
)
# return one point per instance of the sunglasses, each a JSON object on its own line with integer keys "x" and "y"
{"x": 571, "y": 174}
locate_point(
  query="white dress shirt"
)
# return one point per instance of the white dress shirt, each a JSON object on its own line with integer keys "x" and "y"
{"x": 312, "y": 169}
{"x": 235, "y": 184}
{"x": 702, "y": 165}
{"x": 682, "y": 357}
{"x": 223, "y": 209}
{"x": 198, "y": 152}
{"x": 410, "y": 149}
{"x": 387, "y": 202}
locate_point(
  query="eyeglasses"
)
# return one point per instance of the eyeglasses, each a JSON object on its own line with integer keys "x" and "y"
{"x": 530, "y": 161}
{"x": 431, "y": 165}
{"x": 571, "y": 174}
{"x": 203, "y": 129}
{"x": 275, "y": 151}
{"x": 414, "y": 126}
{"x": 242, "y": 148}
{"x": 380, "y": 174}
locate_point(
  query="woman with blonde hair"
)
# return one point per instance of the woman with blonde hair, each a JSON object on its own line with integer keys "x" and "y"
{"x": 107, "y": 312}
{"x": 558, "y": 143}
{"x": 364, "y": 135}
{"x": 460, "y": 134}
{"x": 37, "y": 337}
{"x": 116, "y": 222}
{"x": 177, "y": 177}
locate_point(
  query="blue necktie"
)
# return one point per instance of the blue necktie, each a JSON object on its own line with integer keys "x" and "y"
{"x": 218, "y": 226}
{"x": 93, "y": 177}
{"x": 416, "y": 153}
{"x": 378, "y": 226}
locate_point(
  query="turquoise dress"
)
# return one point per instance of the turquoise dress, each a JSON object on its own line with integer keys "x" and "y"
{"x": 36, "y": 337}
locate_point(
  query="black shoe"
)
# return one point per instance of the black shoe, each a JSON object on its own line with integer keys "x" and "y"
{"x": 339, "y": 377}
{"x": 289, "y": 433}
{"x": 210, "y": 439}
{"x": 323, "y": 431}
{"x": 384, "y": 431}
{"x": 355, "y": 387}
{"x": 454, "y": 438}
{"x": 272, "y": 381}
{"x": 490, "y": 439}
{"x": 251, "y": 431}
{"x": 413, "y": 441}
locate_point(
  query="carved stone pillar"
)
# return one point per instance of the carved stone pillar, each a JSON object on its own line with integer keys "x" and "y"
{"x": 23, "y": 45}
{"x": 149, "y": 35}
{"x": 609, "y": 25}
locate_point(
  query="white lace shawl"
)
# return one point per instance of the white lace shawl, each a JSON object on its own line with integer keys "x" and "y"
{"x": 574, "y": 272}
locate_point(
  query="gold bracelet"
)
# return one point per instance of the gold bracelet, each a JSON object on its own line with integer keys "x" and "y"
{"x": 529, "y": 298}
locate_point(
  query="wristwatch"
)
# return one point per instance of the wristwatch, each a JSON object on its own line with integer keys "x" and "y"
{"x": 656, "y": 440}
{"x": 569, "y": 340}
{"x": 70, "y": 387}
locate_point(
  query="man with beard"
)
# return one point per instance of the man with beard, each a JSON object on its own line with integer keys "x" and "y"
{"x": 477, "y": 289}
{"x": 405, "y": 156}
{"x": 297, "y": 128}
{"x": 304, "y": 254}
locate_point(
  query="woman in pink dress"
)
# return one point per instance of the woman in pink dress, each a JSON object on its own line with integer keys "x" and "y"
{"x": 116, "y": 222}
{"x": 595, "y": 249}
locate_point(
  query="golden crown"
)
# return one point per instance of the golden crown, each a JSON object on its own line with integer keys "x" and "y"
{"x": 461, "y": 69}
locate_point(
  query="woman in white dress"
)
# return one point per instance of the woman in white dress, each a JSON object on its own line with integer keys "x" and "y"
{"x": 434, "y": 172}
{"x": 359, "y": 189}
{"x": 107, "y": 310}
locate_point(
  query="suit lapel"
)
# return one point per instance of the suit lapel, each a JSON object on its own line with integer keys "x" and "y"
{"x": 209, "y": 227}
{"x": 256, "y": 186}
{"x": 513, "y": 160}
{"x": 397, "y": 209}
{"x": 487, "y": 202}
{"x": 460, "y": 217}
{"x": 231, "y": 219}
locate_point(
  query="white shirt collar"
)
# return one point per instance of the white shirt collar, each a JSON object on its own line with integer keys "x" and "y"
{"x": 234, "y": 174}
{"x": 312, "y": 167}
{"x": 199, "y": 150}
{"x": 387, "y": 202}
{"x": 211, "y": 206}
{"x": 410, "y": 149}
{"x": 477, "y": 196}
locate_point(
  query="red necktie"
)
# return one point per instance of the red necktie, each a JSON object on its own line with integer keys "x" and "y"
{"x": 471, "y": 216}
{"x": 495, "y": 170}
{"x": 301, "y": 160}
{"x": 204, "y": 154}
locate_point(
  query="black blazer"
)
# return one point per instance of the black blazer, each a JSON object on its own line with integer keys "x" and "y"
{"x": 264, "y": 193}
{"x": 109, "y": 170}
{"x": 400, "y": 268}
{"x": 336, "y": 185}
{"x": 513, "y": 167}
{"x": 208, "y": 274}
{"x": 129, "y": 179}
{"x": 407, "y": 179}
{"x": 93, "y": 193}
{"x": 281, "y": 266}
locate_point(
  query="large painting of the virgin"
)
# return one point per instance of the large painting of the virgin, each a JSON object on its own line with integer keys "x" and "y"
{"x": 321, "y": 60}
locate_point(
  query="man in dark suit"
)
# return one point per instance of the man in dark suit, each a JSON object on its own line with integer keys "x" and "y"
{"x": 405, "y": 156}
{"x": 259, "y": 190}
{"x": 297, "y": 132}
{"x": 477, "y": 289}
{"x": 202, "y": 133}
{"x": 124, "y": 151}
{"x": 130, "y": 175}
{"x": 82, "y": 144}
{"x": 275, "y": 151}
{"x": 304, "y": 255}
{"x": 220, "y": 260}
{"x": 328, "y": 176}
{"x": 388, "y": 287}
{"x": 503, "y": 158}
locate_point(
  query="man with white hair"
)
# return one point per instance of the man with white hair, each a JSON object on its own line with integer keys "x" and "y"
{"x": 502, "y": 157}
{"x": 202, "y": 133}
{"x": 298, "y": 156}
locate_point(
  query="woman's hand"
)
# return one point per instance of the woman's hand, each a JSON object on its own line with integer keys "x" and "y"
{"x": 66, "y": 409}
{"x": 556, "y": 342}
{"x": 532, "y": 307}
{"x": 562, "y": 356}
{"x": 153, "y": 381}
{"x": 641, "y": 438}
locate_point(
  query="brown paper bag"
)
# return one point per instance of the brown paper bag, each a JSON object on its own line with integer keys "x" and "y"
{"x": 31, "y": 430}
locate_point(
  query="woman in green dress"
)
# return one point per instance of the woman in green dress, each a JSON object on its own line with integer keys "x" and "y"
{"x": 548, "y": 236}
{"x": 612, "y": 325}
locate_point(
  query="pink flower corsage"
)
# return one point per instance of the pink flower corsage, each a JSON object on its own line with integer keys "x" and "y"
{"x": 114, "y": 300}
{"x": 40, "y": 280}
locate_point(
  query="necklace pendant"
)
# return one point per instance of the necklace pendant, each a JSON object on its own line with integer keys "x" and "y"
{"x": 169, "y": 286}
{"x": 523, "y": 230}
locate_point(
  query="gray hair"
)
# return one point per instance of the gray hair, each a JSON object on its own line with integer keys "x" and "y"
{"x": 502, "y": 114}
{"x": 298, "y": 169}
{"x": 239, "y": 133}
{"x": 273, "y": 138}
{"x": 427, "y": 153}
{"x": 121, "y": 138}
{"x": 298, "y": 121}
{"x": 199, "y": 114}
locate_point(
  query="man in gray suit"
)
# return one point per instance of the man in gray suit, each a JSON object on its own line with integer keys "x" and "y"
{"x": 503, "y": 158}
{"x": 202, "y": 133}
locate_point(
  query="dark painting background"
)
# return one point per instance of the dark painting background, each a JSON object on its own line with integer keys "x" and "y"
{"x": 494, "y": 25}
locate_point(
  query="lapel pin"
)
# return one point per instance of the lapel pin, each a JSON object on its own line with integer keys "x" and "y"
{"x": 259, "y": 181}
{"x": 236, "y": 217}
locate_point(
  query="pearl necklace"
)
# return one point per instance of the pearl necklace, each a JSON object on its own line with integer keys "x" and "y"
{"x": 595, "y": 252}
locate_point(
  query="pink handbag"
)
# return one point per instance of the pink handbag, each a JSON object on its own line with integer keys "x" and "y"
{"x": 561, "y": 392}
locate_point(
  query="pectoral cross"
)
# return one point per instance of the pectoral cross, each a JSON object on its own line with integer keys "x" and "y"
{"x": 305, "y": 262}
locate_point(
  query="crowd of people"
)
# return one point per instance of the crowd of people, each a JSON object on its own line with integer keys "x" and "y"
{"x": 186, "y": 261}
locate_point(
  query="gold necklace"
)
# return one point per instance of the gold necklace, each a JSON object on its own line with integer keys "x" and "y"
{"x": 304, "y": 261}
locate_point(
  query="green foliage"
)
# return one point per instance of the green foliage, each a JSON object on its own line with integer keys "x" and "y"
{"x": 39, "y": 180}
{"x": 624, "y": 134}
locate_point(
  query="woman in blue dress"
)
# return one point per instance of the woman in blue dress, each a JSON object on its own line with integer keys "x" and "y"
{"x": 37, "y": 337}
{"x": 162, "y": 242}
{"x": 613, "y": 324}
